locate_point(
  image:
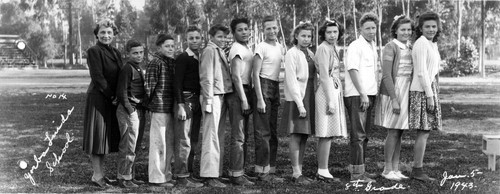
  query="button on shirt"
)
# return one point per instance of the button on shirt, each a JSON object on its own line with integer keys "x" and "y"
{"x": 246, "y": 56}
{"x": 361, "y": 56}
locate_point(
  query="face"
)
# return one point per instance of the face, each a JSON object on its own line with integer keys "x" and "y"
{"x": 105, "y": 35}
{"x": 332, "y": 34}
{"x": 136, "y": 54}
{"x": 304, "y": 38}
{"x": 429, "y": 29}
{"x": 167, "y": 48}
{"x": 404, "y": 32}
{"x": 369, "y": 30}
{"x": 271, "y": 30}
{"x": 219, "y": 38}
{"x": 193, "y": 40}
{"x": 241, "y": 32}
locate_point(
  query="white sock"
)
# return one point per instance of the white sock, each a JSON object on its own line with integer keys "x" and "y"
{"x": 325, "y": 173}
{"x": 296, "y": 171}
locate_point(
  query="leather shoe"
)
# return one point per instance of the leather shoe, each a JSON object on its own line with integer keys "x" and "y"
{"x": 101, "y": 183}
{"x": 327, "y": 179}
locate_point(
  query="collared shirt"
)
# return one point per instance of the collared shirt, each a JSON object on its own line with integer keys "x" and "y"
{"x": 246, "y": 56}
{"x": 187, "y": 76}
{"x": 361, "y": 56}
{"x": 215, "y": 77}
{"x": 426, "y": 59}
{"x": 130, "y": 90}
{"x": 272, "y": 56}
{"x": 160, "y": 84}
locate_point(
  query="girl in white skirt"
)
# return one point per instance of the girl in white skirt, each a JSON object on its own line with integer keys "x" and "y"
{"x": 392, "y": 107}
{"x": 330, "y": 113}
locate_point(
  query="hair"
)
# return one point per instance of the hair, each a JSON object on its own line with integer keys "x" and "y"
{"x": 328, "y": 23}
{"x": 398, "y": 22}
{"x": 161, "y": 38}
{"x": 268, "y": 18}
{"x": 193, "y": 28}
{"x": 237, "y": 21}
{"x": 131, "y": 44}
{"x": 106, "y": 23}
{"x": 426, "y": 17}
{"x": 300, "y": 27}
{"x": 218, "y": 27}
{"x": 368, "y": 17}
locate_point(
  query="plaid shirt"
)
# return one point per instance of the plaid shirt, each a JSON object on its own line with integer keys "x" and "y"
{"x": 160, "y": 84}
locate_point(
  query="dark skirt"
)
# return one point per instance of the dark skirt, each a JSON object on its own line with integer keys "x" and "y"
{"x": 294, "y": 123}
{"x": 101, "y": 134}
{"x": 420, "y": 117}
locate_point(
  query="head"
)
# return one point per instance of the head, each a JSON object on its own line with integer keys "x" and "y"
{"x": 429, "y": 26}
{"x": 218, "y": 34}
{"x": 135, "y": 50}
{"x": 193, "y": 37}
{"x": 302, "y": 35}
{"x": 270, "y": 26}
{"x": 402, "y": 28}
{"x": 166, "y": 45}
{"x": 240, "y": 29}
{"x": 331, "y": 31}
{"x": 105, "y": 31}
{"x": 368, "y": 26}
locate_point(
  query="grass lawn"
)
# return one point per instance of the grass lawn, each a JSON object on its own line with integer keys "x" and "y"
{"x": 26, "y": 115}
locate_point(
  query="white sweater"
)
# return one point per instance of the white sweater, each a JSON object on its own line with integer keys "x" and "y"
{"x": 426, "y": 59}
{"x": 296, "y": 75}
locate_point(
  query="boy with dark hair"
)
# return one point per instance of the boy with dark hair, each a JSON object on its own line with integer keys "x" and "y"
{"x": 130, "y": 112}
{"x": 240, "y": 57}
{"x": 187, "y": 108}
{"x": 360, "y": 92}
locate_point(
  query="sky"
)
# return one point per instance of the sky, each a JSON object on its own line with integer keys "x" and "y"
{"x": 138, "y": 4}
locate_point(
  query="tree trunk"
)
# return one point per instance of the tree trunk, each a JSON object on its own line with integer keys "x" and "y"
{"x": 79, "y": 40}
{"x": 70, "y": 33}
{"x": 294, "y": 18}
{"x": 354, "y": 18}
{"x": 344, "y": 37}
{"x": 481, "y": 57}
{"x": 459, "y": 26}
{"x": 379, "y": 8}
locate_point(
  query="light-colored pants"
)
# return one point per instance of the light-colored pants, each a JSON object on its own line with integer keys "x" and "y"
{"x": 129, "y": 130}
{"x": 212, "y": 149}
{"x": 161, "y": 147}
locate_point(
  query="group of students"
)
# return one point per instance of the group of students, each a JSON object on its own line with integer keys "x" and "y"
{"x": 192, "y": 94}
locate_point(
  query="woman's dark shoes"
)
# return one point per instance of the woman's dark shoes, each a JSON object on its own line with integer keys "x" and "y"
{"x": 303, "y": 180}
{"x": 327, "y": 179}
{"x": 418, "y": 173}
{"x": 127, "y": 184}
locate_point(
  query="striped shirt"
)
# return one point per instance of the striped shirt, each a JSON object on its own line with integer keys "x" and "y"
{"x": 160, "y": 84}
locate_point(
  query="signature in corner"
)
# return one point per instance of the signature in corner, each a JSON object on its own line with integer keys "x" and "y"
{"x": 449, "y": 177}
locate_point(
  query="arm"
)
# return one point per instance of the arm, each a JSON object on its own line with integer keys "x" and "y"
{"x": 323, "y": 60}
{"x": 207, "y": 75}
{"x": 180, "y": 69}
{"x": 257, "y": 66}
{"x": 291, "y": 79}
{"x": 236, "y": 70}
{"x": 152, "y": 76}
{"x": 122, "y": 88}
{"x": 96, "y": 71}
{"x": 388, "y": 56}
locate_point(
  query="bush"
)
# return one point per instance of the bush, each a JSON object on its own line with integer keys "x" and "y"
{"x": 467, "y": 63}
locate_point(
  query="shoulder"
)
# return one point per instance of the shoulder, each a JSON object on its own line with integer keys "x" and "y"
{"x": 94, "y": 49}
{"x": 182, "y": 56}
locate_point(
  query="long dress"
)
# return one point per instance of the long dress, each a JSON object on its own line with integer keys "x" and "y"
{"x": 295, "y": 123}
{"x": 384, "y": 115}
{"x": 333, "y": 125}
{"x": 101, "y": 134}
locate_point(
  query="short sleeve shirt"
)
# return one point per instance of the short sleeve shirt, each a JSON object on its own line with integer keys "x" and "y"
{"x": 247, "y": 57}
{"x": 272, "y": 56}
{"x": 361, "y": 56}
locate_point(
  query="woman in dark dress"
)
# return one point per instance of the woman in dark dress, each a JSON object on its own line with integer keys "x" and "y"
{"x": 100, "y": 127}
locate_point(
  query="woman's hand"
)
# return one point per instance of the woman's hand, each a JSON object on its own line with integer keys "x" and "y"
{"x": 302, "y": 112}
{"x": 396, "y": 109}
{"x": 430, "y": 104}
{"x": 330, "y": 109}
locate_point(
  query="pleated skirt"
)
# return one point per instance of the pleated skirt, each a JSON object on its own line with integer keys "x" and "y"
{"x": 384, "y": 115}
{"x": 101, "y": 134}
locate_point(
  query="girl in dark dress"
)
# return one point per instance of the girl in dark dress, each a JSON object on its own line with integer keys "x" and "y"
{"x": 100, "y": 127}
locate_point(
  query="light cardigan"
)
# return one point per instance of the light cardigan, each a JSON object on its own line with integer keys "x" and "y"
{"x": 296, "y": 75}
{"x": 425, "y": 56}
{"x": 391, "y": 56}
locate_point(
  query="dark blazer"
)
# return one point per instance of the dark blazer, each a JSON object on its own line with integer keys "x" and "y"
{"x": 104, "y": 66}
